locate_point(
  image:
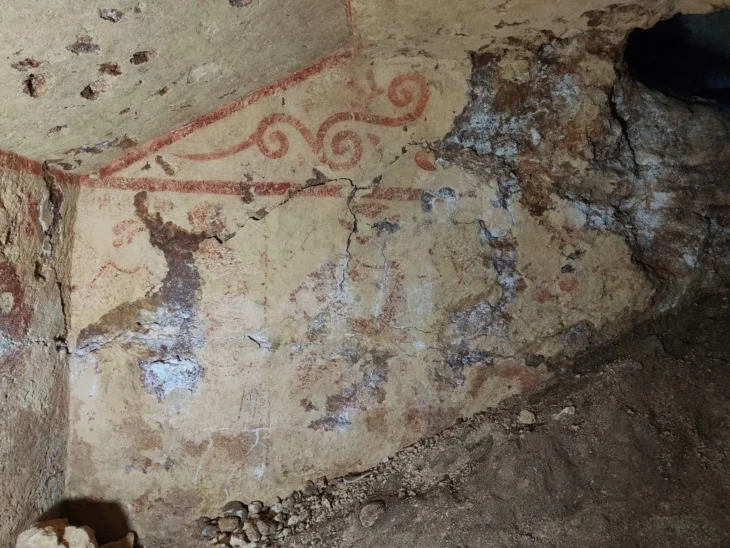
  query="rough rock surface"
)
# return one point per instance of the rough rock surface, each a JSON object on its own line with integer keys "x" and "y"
{"x": 36, "y": 215}
{"x": 630, "y": 449}
{"x": 555, "y": 121}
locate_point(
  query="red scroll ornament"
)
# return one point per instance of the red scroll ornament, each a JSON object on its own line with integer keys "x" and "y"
{"x": 345, "y": 146}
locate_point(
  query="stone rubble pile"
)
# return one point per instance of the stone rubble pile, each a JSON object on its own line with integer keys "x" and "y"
{"x": 257, "y": 525}
{"x": 413, "y": 470}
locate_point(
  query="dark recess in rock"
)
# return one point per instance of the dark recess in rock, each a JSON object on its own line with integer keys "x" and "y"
{"x": 686, "y": 56}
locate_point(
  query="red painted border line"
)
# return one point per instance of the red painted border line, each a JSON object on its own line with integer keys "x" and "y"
{"x": 166, "y": 185}
{"x": 154, "y": 145}
{"x": 261, "y": 189}
{"x": 16, "y": 162}
{"x": 220, "y": 187}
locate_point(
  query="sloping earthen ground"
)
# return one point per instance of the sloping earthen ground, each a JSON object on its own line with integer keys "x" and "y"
{"x": 629, "y": 447}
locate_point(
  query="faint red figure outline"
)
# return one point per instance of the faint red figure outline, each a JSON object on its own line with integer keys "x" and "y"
{"x": 112, "y": 264}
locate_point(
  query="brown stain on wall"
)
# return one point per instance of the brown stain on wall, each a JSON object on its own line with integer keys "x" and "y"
{"x": 174, "y": 305}
{"x": 142, "y": 436}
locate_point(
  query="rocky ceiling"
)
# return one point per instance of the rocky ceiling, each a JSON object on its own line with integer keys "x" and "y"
{"x": 81, "y": 82}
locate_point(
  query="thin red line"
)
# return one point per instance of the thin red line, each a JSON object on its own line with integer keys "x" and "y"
{"x": 16, "y": 162}
{"x": 175, "y": 135}
{"x": 165, "y": 185}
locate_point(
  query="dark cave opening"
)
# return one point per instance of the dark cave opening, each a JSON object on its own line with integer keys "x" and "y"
{"x": 686, "y": 56}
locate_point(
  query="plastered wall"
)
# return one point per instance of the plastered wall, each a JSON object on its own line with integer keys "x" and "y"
{"x": 427, "y": 217}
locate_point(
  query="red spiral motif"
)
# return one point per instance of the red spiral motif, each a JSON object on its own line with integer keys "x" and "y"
{"x": 404, "y": 90}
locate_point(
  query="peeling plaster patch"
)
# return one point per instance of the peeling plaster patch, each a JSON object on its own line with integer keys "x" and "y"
{"x": 445, "y": 194}
{"x": 140, "y": 57}
{"x": 386, "y": 226}
{"x": 164, "y": 376}
{"x": 368, "y": 392}
{"x": 110, "y": 69}
{"x": 25, "y": 64}
{"x": 6, "y": 345}
{"x": 124, "y": 143}
{"x": 579, "y": 335}
{"x": 98, "y": 148}
{"x": 111, "y": 14}
{"x": 476, "y": 319}
{"x": 93, "y": 90}
{"x": 462, "y": 357}
{"x": 165, "y": 165}
{"x": 84, "y": 44}
{"x": 59, "y": 129}
{"x": 6, "y": 302}
{"x": 35, "y": 85}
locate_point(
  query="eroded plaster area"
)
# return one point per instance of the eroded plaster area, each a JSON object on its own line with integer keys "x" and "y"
{"x": 36, "y": 213}
{"x": 85, "y": 82}
{"x": 357, "y": 260}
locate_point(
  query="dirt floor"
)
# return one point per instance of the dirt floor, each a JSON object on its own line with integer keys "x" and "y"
{"x": 629, "y": 447}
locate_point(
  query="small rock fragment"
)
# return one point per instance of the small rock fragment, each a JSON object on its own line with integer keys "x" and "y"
{"x": 83, "y": 44}
{"x": 235, "y": 508}
{"x": 228, "y": 524}
{"x": 527, "y": 417}
{"x": 110, "y": 14}
{"x": 565, "y": 412}
{"x": 309, "y": 489}
{"x": 238, "y": 539}
{"x": 140, "y": 57}
{"x": 264, "y": 528}
{"x": 240, "y": 3}
{"x": 36, "y": 85}
{"x": 293, "y": 520}
{"x": 252, "y": 533}
{"x": 56, "y": 534}
{"x": 371, "y": 513}
{"x": 25, "y": 64}
{"x": 93, "y": 90}
{"x": 112, "y": 69}
{"x": 208, "y": 529}
{"x": 255, "y": 507}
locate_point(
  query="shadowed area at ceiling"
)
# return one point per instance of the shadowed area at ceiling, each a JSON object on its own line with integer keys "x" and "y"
{"x": 687, "y": 55}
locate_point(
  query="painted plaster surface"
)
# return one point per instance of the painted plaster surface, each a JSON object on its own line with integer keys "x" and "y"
{"x": 35, "y": 217}
{"x": 84, "y": 82}
{"x": 371, "y": 248}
